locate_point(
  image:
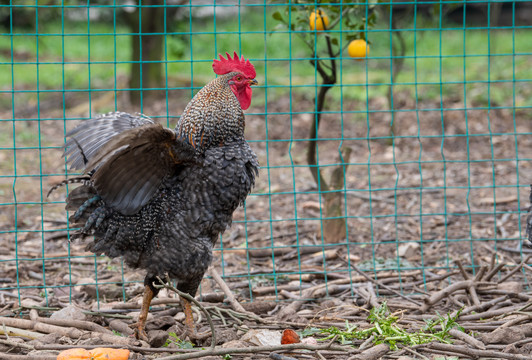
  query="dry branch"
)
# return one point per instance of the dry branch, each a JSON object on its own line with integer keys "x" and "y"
{"x": 494, "y": 271}
{"x": 257, "y": 349}
{"x": 491, "y": 313}
{"x": 444, "y": 293}
{"x": 460, "y": 335}
{"x": 373, "y": 353}
{"x": 16, "y": 344}
{"x": 13, "y": 331}
{"x": 517, "y": 268}
{"x": 67, "y": 331}
{"x": 377, "y": 282}
{"x": 78, "y": 324}
{"x": 130, "y": 348}
{"x": 191, "y": 299}
{"x": 481, "y": 307}
{"x": 27, "y": 357}
{"x": 474, "y": 353}
{"x": 230, "y": 296}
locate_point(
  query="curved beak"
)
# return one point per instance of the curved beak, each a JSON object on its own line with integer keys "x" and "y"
{"x": 253, "y": 82}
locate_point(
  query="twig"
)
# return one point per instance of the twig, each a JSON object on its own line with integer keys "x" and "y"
{"x": 121, "y": 327}
{"x": 332, "y": 340}
{"x": 474, "y": 353}
{"x": 462, "y": 270}
{"x": 295, "y": 305}
{"x": 413, "y": 352}
{"x": 320, "y": 355}
{"x": 494, "y": 271}
{"x": 460, "y": 335}
{"x": 235, "y": 314}
{"x": 481, "y": 307}
{"x": 436, "y": 278}
{"x": 257, "y": 349}
{"x": 16, "y": 344}
{"x": 366, "y": 343}
{"x": 460, "y": 285}
{"x": 372, "y": 295}
{"x": 191, "y": 299}
{"x": 14, "y": 331}
{"x": 230, "y": 296}
{"x": 113, "y": 346}
{"x": 26, "y": 357}
{"x": 378, "y": 283}
{"x": 491, "y": 313}
{"x": 373, "y": 353}
{"x": 276, "y": 356}
{"x": 516, "y": 321}
{"x": 517, "y": 268}
{"x": 472, "y": 291}
{"x": 136, "y": 305}
{"x": 78, "y": 324}
{"x": 66, "y": 331}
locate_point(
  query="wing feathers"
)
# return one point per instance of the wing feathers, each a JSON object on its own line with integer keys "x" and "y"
{"x": 87, "y": 138}
{"x": 129, "y": 158}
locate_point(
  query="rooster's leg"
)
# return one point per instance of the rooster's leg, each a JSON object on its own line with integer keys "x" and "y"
{"x": 140, "y": 333}
{"x": 189, "y": 318}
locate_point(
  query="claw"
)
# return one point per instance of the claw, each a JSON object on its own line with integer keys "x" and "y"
{"x": 140, "y": 333}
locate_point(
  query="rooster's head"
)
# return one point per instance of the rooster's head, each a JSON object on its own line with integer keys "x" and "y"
{"x": 243, "y": 76}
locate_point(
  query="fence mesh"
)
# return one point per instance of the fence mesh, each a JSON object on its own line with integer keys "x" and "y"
{"x": 436, "y": 118}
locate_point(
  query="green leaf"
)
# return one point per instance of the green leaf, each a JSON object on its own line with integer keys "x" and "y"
{"x": 309, "y": 331}
{"x": 277, "y": 16}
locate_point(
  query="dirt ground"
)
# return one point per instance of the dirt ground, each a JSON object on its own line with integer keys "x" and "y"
{"x": 435, "y": 219}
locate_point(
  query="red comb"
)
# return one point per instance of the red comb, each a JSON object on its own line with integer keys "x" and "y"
{"x": 224, "y": 66}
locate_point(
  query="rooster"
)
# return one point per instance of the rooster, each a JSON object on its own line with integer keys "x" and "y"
{"x": 160, "y": 198}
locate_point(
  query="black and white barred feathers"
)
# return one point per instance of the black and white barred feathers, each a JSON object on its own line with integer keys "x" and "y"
{"x": 158, "y": 197}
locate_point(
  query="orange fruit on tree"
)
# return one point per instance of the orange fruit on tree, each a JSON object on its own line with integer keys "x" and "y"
{"x": 358, "y": 48}
{"x": 318, "y": 20}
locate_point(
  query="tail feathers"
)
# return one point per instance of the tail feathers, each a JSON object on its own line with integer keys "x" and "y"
{"x": 85, "y": 180}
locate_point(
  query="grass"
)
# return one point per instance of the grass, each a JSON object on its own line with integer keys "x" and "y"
{"x": 180, "y": 344}
{"x": 385, "y": 329}
{"x": 472, "y": 64}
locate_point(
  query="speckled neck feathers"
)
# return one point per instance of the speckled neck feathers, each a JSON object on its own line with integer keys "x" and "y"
{"x": 213, "y": 117}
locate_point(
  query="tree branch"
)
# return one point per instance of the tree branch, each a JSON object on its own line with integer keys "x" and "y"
{"x": 327, "y": 81}
{"x": 257, "y": 349}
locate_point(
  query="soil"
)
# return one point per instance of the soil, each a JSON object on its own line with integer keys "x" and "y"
{"x": 448, "y": 189}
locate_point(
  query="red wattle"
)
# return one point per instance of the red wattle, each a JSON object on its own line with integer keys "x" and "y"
{"x": 243, "y": 95}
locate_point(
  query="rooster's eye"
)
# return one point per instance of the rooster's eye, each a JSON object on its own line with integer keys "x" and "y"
{"x": 238, "y": 78}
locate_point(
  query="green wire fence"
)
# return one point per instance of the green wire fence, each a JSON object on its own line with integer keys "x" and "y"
{"x": 436, "y": 118}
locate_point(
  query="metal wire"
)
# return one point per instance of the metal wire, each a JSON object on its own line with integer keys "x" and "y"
{"x": 80, "y": 55}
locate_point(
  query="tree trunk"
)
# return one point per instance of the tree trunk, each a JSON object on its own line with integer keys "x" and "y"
{"x": 334, "y": 226}
{"x": 333, "y": 230}
{"x": 147, "y": 48}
